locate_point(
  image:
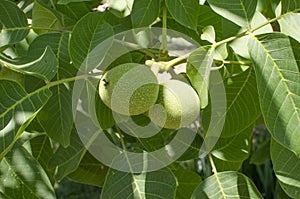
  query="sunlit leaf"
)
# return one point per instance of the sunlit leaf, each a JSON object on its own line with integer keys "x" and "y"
{"x": 228, "y": 184}
{"x": 121, "y": 8}
{"x": 209, "y": 34}
{"x": 290, "y": 26}
{"x": 278, "y": 82}
{"x": 238, "y": 45}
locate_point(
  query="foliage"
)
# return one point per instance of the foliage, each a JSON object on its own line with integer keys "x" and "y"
{"x": 47, "y": 45}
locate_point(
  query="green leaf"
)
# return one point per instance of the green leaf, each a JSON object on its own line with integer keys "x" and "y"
{"x": 242, "y": 103}
{"x": 187, "y": 182}
{"x": 289, "y": 5}
{"x": 278, "y": 83}
{"x": 229, "y": 184}
{"x": 119, "y": 24}
{"x": 13, "y": 23}
{"x": 23, "y": 177}
{"x": 67, "y": 160}
{"x": 76, "y": 10}
{"x": 234, "y": 149}
{"x": 145, "y": 12}
{"x": 198, "y": 71}
{"x": 58, "y": 125}
{"x": 17, "y": 109}
{"x": 173, "y": 24}
{"x": 290, "y": 26}
{"x": 193, "y": 150}
{"x": 44, "y": 19}
{"x": 157, "y": 141}
{"x": 42, "y": 151}
{"x": 286, "y": 166}
{"x": 230, "y": 153}
{"x": 238, "y": 11}
{"x": 207, "y": 17}
{"x": 85, "y": 49}
{"x": 184, "y": 12}
{"x": 91, "y": 167}
{"x": 44, "y": 67}
{"x": 59, "y": 43}
{"x": 156, "y": 184}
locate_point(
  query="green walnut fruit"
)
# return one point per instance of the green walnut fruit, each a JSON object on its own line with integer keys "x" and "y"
{"x": 177, "y": 106}
{"x": 129, "y": 89}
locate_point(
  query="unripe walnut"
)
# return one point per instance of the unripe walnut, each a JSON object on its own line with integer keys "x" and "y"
{"x": 129, "y": 89}
{"x": 178, "y": 105}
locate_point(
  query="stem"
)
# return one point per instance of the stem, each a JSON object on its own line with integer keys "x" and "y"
{"x": 164, "y": 31}
{"x": 136, "y": 47}
{"x": 62, "y": 81}
{"x": 175, "y": 61}
{"x": 229, "y": 39}
{"x": 213, "y": 166}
